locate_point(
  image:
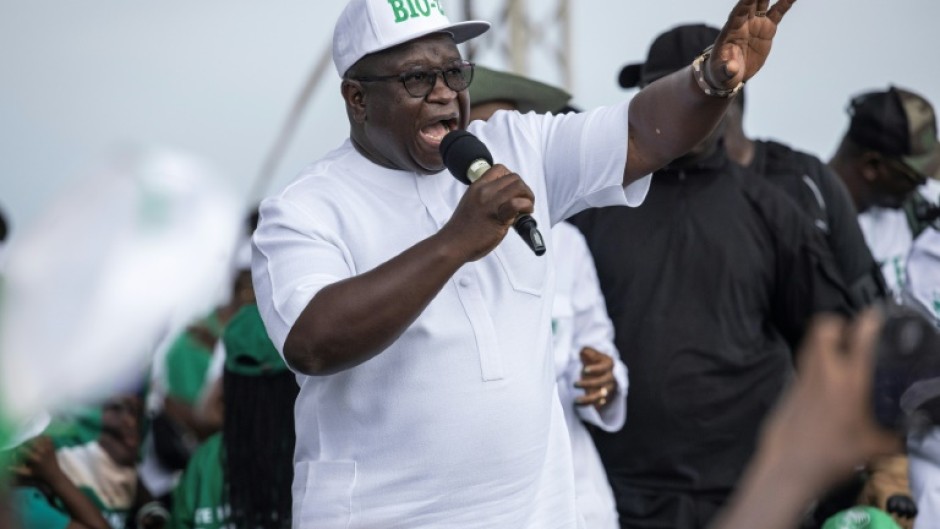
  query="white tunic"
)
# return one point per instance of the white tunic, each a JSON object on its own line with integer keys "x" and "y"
{"x": 889, "y": 238}
{"x": 579, "y": 319}
{"x": 457, "y": 423}
{"x": 923, "y": 275}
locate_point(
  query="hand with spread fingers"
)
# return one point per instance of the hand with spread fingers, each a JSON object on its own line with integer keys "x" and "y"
{"x": 744, "y": 43}
{"x": 597, "y": 379}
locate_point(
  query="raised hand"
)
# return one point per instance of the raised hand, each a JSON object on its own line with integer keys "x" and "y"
{"x": 744, "y": 43}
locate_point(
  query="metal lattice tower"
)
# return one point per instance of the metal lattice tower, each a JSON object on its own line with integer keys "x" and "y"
{"x": 524, "y": 34}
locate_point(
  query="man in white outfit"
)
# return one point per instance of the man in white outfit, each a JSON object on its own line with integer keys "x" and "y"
{"x": 420, "y": 332}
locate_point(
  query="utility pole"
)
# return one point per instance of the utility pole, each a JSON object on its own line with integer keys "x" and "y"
{"x": 522, "y": 34}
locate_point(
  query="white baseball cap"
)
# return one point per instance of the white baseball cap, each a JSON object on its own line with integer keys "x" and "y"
{"x": 368, "y": 26}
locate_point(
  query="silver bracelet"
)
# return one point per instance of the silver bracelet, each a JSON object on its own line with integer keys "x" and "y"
{"x": 698, "y": 71}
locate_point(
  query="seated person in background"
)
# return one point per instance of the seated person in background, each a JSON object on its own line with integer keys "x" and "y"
{"x": 43, "y": 497}
{"x": 591, "y": 379}
{"x": 241, "y": 477}
{"x": 103, "y": 471}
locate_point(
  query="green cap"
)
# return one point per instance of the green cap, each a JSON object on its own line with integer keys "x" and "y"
{"x": 248, "y": 350}
{"x": 528, "y": 95}
{"x": 861, "y": 518}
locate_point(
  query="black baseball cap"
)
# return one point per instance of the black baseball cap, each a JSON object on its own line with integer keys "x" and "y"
{"x": 671, "y": 51}
{"x": 896, "y": 123}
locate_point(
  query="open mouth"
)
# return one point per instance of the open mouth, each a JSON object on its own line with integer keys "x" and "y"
{"x": 435, "y": 132}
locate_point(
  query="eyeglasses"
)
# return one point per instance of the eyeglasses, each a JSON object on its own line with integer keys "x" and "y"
{"x": 420, "y": 83}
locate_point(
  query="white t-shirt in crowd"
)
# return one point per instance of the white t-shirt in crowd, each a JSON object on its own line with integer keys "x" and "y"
{"x": 922, "y": 290}
{"x": 457, "y": 423}
{"x": 579, "y": 319}
{"x": 889, "y": 238}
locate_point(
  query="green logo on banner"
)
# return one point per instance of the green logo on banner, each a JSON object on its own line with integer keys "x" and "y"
{"x": 407, "y": 9}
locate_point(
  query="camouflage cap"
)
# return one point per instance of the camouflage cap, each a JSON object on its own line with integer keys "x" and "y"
{"x": 933, "y": 164}
{"x": 897, "y": 123}
{"x": 248, "y": 350}
{"x": 526, "y": 94}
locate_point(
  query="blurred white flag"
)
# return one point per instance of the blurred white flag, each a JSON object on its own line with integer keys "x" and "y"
{"x": 92, "y": 285}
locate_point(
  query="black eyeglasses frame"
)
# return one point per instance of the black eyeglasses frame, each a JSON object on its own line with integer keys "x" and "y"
{"x": 414, "y": 76}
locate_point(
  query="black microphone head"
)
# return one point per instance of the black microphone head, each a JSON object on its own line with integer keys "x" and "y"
{"x": 459, "y": 149}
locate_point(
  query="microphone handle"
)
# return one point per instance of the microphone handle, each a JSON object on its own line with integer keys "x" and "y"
{"x": 525, "y": 225}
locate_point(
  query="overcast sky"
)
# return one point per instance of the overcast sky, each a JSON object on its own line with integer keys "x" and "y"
{"x": 217, "y": 78}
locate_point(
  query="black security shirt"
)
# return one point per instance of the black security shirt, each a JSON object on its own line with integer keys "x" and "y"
{"x": 709, "y": 285}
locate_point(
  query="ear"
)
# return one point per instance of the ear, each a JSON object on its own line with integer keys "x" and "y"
{"x": 355, "y": 97}
{"x": 869, "y": 165}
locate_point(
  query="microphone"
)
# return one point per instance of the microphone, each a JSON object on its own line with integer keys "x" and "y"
{"x": 467, "y": 159}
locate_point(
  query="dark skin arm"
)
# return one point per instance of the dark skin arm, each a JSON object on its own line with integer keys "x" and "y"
{"x": 40, "y": 464}
{"x": 351, "y": 321}
{"x": 659, "y": 126}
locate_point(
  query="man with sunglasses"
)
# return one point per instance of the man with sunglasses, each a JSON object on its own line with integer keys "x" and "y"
{"x": 420, "y": 332}
{"x": 884, "y": 159}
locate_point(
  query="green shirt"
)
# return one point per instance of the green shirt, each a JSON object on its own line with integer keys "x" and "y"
{"x": 188, "y": 360}
{"x": 198, "y": 500}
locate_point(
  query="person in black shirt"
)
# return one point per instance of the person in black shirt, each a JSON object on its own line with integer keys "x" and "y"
{"x": 820, "y": 193}
{"x": 710, "y": 285}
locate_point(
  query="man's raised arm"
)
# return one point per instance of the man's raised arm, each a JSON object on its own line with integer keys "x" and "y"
{"x": 672, "y": 115}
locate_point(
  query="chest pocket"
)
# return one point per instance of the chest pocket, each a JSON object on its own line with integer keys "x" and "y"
{"x": 526, "y": 271}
